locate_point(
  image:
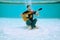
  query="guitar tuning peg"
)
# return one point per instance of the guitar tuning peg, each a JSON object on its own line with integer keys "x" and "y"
{"x": 39, "y": 9}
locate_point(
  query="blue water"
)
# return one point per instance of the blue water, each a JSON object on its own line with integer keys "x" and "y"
{"x": 12, "y": 27}
{"x": 15, "y": 10}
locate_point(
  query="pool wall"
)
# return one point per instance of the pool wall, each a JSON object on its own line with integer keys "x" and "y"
{"x": 15, "y": 10}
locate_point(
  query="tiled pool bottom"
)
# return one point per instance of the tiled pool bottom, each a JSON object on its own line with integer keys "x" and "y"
{"x": 14, "y": 29}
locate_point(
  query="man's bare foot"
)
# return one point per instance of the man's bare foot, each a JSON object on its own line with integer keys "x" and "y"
{"x": 29, "y": 27}
{"x": 36, "y": 27}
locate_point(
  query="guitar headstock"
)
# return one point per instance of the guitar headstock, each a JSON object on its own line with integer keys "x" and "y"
{"x": 39, "y": 9}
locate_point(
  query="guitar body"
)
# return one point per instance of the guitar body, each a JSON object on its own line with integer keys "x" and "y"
{"x": 24, "y": 16}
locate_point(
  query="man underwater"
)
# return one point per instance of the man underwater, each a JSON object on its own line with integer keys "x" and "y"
{"x": 29, "y": 18}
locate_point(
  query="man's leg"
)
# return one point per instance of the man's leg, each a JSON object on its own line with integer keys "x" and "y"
{"x": 28, "y": 23}
{"x": 33, "y": 23}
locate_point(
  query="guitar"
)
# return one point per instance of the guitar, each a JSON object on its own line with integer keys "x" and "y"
{"x": 26, "y": 13}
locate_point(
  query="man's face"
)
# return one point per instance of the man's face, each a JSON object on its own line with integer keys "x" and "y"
{"x": 29, "y": 9}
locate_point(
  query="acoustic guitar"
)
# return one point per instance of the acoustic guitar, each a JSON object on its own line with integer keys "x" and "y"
{"x": 26, "y": 13}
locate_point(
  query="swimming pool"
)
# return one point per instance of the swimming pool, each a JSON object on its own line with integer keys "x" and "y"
{"x": 12, "y": 26}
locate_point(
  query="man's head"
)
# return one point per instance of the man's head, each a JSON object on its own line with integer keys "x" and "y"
{"x": 28, "y": 7}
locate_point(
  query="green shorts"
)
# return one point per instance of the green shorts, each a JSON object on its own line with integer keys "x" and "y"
{"x": 32, "y": 23}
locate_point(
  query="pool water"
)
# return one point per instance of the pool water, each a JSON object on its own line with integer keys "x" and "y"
{"x": 15, "y": 10}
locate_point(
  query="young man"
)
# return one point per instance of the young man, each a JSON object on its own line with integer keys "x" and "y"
{"x": 29, "y": 18}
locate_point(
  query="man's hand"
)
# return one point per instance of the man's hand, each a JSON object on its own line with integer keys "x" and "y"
{"x": 37, "y": 13}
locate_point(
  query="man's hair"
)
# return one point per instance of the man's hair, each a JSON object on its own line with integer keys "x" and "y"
{"x": 28, "y": 6}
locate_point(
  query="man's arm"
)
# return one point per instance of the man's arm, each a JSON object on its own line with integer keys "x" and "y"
{"x": 36, "y": 12}
{"x": 25, "y": 14}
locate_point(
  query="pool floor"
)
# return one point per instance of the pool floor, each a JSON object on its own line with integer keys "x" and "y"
{"x": 15, "y": 29}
